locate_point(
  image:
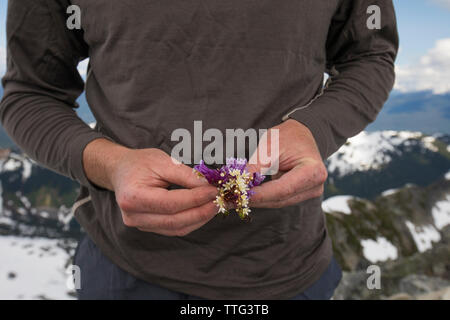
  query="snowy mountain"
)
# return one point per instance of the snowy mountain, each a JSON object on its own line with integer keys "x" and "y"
{"x": 374, "y": 150}
{"x": 373, "y": 162}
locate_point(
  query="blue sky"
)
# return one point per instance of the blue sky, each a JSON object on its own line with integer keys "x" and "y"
{"x": 421, "y": 23}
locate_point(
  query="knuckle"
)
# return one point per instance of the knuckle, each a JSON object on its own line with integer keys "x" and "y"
{"x": 320, "y": 173}
{"x": 126, "y": 201}
{"x": 128, "y": 221}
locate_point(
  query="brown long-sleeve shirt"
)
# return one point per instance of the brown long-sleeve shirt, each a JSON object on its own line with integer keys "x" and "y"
{"x": 156, "y": 66}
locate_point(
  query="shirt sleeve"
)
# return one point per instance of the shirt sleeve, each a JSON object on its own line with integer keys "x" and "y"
{"x": 361, "y": 66}
{"x": 41, "y": 85}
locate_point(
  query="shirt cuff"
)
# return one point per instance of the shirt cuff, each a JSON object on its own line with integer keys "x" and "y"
{"x": 308, "y": 117}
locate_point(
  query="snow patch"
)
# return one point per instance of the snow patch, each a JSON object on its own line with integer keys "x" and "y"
{"x": 27, "y": 168}
{"x": 441, "y": 213}
{"x": 423, "y": 236}
{"x": 428, "y": 143}
{"x": 15, "y": 162}
{"x": 44, "y": 214}
{"x": 25, "y": 201}
{"x": 337, "y": 203}
{"x": 389, "y": 192}
{"x": 6, "y": 221}
{"x": 32, "y": 268}
{"x": 447, "y": 176}
{"x": 11, "y": 165}
{"x": 379, "y": 250}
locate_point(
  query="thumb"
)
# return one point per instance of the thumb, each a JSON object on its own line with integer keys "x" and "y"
{"x": 182, "y": 175}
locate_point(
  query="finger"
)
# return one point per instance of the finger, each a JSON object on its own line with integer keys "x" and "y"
{"x": 163, "y": 201}
{"x": 182, "y": 175}
{"x": 173, "y": 223}
{"x": 299, "y": 179}
{"x": 309, "y": 194}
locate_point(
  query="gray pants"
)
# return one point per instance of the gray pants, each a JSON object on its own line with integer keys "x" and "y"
{"x": 101, "y": 279}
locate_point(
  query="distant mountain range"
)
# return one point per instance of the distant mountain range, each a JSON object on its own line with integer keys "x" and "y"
{"x": 417, "y": 111}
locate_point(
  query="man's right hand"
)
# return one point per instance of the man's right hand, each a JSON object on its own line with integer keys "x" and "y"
{"x": 140, "y": 179}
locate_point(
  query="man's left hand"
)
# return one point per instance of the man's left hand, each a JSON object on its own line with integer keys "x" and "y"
{"x": 301, "y": 174}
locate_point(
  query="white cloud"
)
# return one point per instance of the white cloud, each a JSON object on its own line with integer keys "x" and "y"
{"x": 442, "y": 3}
{"x": 431, "y": 72}
{"x": 2, "y": 60}
{"x": 82, "y": 68}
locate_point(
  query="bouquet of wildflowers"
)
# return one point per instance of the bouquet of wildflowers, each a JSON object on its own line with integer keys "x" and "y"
{"x": 234, "y": 184}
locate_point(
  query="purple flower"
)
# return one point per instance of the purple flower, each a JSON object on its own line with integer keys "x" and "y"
{"x": 234, "y": 184}
{"x": 239, "y": 164}
{"x": 211, "y": 175}
{"x": 258, "y": 178}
